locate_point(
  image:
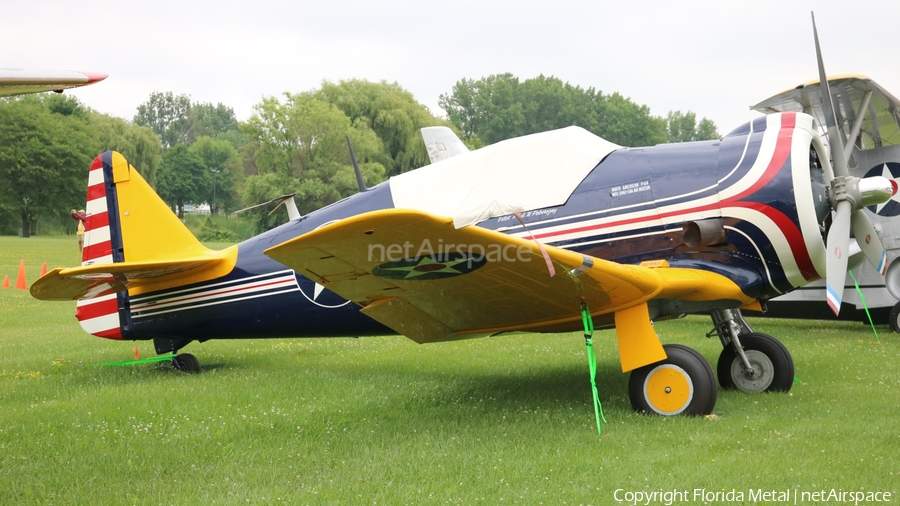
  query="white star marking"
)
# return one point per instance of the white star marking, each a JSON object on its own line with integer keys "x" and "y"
{"x": 317, "y": 291}
{"x": 886, "y": 173}
{"x": 444, "y": 267}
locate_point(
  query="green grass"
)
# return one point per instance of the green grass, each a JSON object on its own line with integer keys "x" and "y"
{"x": 385, "y": 421}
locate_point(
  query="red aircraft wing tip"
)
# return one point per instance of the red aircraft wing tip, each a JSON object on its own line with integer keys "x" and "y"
{"x": 94, "y": 77}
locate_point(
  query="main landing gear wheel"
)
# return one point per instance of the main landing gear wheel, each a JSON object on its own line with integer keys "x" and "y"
{"x": 772, "y": 365}
{"x": 895, "y": 318}
{"x": 682, "y": 384}
{"x": 186, "y": 362}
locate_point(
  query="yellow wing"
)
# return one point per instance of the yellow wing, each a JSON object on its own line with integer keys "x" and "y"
{"x": 419, "y": 275}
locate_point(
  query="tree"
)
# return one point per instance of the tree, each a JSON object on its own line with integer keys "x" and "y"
{"x": 300, "y": 146}
{"x": 169, "y": 116}
{"x": 44, "y": 157}
{"x": 629, "y": 124}
{"x": 683, "y": 127}
{"x": 64, "y": 105}
{"x": 183, "y": 178}
{"x": 489, "y": 108}
{"x": 222, "y": 161}
{"x": 177, "y": 120}
{"x": 214, "y": 121}
{"x": 391, "y": 112}
{"x": 138, "y": 144}
{"x": 295, "y": 134}
{"x": 500, "y": 106}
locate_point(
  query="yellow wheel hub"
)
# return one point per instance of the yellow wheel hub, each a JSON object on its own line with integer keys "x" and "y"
{"x": 668, "y": 389}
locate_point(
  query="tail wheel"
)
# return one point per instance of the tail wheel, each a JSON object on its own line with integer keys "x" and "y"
{"x": 682, "y": 384}
{"x": 772, "y": 365}
{"x": 186, "y": 362}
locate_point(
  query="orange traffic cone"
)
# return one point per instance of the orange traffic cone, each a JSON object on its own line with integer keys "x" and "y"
{"x": 21, "y": 284}
{"x": 5, "y": 281}
{"x": 43, "y": 269}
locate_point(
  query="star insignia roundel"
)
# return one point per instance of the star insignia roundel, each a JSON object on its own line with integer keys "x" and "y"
{"x": 428, "y": 267}
{"x": 889, "y": 170}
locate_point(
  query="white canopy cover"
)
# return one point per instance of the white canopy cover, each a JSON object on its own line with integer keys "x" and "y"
{"x": 521, "y": 174}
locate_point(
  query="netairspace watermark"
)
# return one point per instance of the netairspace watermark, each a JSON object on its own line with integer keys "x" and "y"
{"x": 476, "y": 252}
{"x": 751, "y": 495}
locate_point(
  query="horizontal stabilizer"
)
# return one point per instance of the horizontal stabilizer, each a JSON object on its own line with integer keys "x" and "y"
{"x": 96, "y": 280}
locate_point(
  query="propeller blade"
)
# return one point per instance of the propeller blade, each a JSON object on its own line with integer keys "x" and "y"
{"x": 838, "y": 246}
{"x": 838, "y": 160}
{"x": 849, "y": 195}
{"x": 868, "y": 240}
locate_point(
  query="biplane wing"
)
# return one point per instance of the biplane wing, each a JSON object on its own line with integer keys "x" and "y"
{"x": 20, "y": 81}
{"x": 422, "y": 277}
{"x": 857, "y": 98}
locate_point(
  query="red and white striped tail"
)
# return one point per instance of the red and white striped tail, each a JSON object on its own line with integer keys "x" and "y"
{"x": 97, "y": 244}
{"x": 100, "y": 315}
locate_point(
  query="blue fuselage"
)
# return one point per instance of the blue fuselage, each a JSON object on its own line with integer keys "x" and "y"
{"x": 632, "y": 207}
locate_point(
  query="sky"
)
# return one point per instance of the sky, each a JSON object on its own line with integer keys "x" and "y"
{"x": 713, "y": 58}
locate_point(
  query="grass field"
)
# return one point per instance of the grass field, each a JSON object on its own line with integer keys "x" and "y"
{"x": 386, "y": 421}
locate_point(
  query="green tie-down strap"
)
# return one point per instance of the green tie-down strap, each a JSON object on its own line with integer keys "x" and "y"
{"x": 141, "y": 361}
{"x": 592, "y": 362}
{"x": 862, "y": 298}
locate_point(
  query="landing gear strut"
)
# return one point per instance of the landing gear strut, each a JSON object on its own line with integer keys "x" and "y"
{"x": 750, "y": 361}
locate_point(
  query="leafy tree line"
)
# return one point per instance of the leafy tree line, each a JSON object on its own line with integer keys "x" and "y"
{"x": 500, "y": 106}
{"x": 47, "y": 143}
{"x": 199, "y": 143}
{"x": 196, "y": 153}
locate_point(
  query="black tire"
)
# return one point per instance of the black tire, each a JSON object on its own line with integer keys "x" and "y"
{"x": 776, "y": 367}
{"x": 186, "y": 363}
{"x": 894, "y": 319}
{"x": 682, "y": 384}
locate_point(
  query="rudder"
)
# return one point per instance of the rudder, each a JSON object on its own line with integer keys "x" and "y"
{"x": 127, "y": 221}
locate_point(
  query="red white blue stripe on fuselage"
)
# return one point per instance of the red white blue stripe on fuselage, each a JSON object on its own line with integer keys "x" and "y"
{"x": 214, "y": 294}
{"x": 756, "y": 166}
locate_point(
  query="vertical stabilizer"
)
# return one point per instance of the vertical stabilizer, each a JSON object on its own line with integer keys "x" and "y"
{"x": 441, "y": 143}
{"x": 126, "y": 222}
{"x": 126, "y": 219}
